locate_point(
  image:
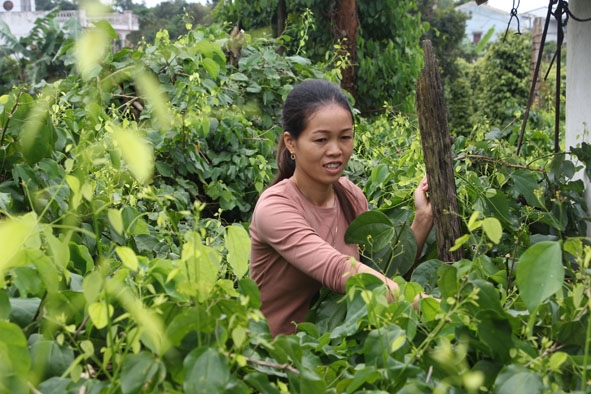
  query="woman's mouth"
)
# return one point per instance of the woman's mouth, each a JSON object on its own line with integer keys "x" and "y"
{"x": 332, "y": 166}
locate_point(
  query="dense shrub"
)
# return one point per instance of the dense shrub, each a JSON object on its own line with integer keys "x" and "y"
{"x": 125, "y": 190}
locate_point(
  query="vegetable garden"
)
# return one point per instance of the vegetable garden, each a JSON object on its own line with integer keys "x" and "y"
{"x": 125, "y": 194}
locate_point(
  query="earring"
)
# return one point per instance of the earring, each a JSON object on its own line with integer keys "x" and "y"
{"x": 292, "y": 157}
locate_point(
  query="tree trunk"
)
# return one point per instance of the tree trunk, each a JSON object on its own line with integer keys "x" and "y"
{"x": 281, "y": 17}
{"x": 346, "y": 24}
{"x": 436, "y": 142}
{"x": 281, "y": 20}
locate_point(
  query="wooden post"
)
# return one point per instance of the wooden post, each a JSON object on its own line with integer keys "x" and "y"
{"x": 436, "y": 142}
{"x": 536, "y": 47}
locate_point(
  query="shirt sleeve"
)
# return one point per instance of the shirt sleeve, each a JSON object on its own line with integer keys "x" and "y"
{"x": 281, "y": 224}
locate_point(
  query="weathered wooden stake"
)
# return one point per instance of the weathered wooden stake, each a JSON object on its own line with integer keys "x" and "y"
{"x": 436, "y": 142}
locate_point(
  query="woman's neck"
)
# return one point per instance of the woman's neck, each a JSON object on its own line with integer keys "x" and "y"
{"x": 323, "y": 197}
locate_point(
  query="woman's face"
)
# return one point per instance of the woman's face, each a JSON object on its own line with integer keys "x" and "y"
{"x": 324, "y": 146}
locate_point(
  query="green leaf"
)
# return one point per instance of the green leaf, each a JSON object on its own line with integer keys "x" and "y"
{"x": 128, "y": 257}
{"x": 260, "y": 383}
{"x": 50, "y": 358}
{"x": 141, "y": 371}
{"x": 100, "y": 312}
{"x": 249, "y": 288}
{"x": 14, "y": 233}
{"x": 372, "y": 229}
{"x": 211, "y": 67}
{"x": 488, "y": 297}
{"x": 55, "y": 385}
{"x": 81, "y": 258}
{"x": 5, "y": 201}
{"x": 116, "y": 220}
{"x": 238, "y": 243}
{"x": 404, "y": 252}
{"x": 5, "y": 307}
{"x": 540, "y": 273}
{"x": 206, "y": 371}
{"x": 137, "y": 153}
{"x": 525, "y": 183}
{"x": 58, "y": 249}
{"x": 92, "y": 285}
{"x": 24, "y": 310}
{"x": 201, "y": 264}
{"x": 192, "y": 319}
{"x": 426, "y": 275}
{"x": 14, "y": 359}
{"x": 516, "y": 379}
{"x": 299, "y": 60}
{"x": 362, "y": 376}
{"x": 28, "y": 281}
{"x": 473, "y": 222}
{"x": 493, "y": 229}
{"x": 459, "y": 242}
{"x": 90, "y": 51}
{"x": 382, "y": 342}
{"x": 238, "y": 77}
{"x": 448, "y": 284}
{"x": 431, "y": 309}
{"x": 155, "y": 95}
{"x": 38, "y": 136}
{"x": 495, "y": 331}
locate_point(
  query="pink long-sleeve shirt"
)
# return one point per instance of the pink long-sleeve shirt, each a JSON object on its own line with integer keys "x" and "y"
{"x": 297, "y": 248}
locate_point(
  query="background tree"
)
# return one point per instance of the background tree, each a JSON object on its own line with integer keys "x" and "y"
{"x": 39, "y": 56}
{"x": 123, "y": 5}
{"x": 172, "y": 16}
{"x": 502, "y": 77}
{"x": 446, "y": 31}
{"x": 46, "y": 5}
{"x": 386, "y": 57}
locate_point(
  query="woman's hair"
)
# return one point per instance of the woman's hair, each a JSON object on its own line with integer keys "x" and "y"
{"x": 301, "y": 103}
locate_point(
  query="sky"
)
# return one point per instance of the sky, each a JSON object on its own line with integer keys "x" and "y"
{"x": 524, "y": 5}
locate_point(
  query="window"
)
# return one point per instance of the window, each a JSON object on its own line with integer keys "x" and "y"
{"x": 476, "y": 36}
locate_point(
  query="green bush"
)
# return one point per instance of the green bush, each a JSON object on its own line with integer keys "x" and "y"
{"x": 124, "y": 195}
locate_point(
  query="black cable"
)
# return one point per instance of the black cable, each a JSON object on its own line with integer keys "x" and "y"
{"x": 535, "y": 76}
{"x": 574, "y": 17}
{"x": 514, "y": 14}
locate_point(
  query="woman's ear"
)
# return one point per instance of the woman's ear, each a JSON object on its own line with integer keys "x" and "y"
{"x": 288, "y": 141}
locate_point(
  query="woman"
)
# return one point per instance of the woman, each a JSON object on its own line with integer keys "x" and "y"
{"x": 299, "y": 222}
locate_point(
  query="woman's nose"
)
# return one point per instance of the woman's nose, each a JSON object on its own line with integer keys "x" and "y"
{"x": 334, "y": 148}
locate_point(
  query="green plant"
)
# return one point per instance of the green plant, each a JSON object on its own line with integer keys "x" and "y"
{"x": 125, "y": 270}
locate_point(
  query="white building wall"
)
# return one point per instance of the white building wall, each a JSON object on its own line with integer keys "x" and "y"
{"x": 21, "y": 23}
{"x": 481, "y": 18}
{"x": 17, "y": 5}
{"x": 578, "y": 83}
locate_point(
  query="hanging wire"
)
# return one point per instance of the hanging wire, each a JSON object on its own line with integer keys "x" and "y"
{"x": 570, "y": 14}
{"x": 535, "y": 76}
{"x": 562, "y": 15}
{"x": 514, "y": 14}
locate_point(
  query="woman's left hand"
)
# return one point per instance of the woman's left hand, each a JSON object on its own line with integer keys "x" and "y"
{"x": 423, "y": 207}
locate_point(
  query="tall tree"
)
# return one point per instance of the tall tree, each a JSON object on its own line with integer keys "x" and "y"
{"x": 346, "y": 25}
{"x": 381, "y": 40}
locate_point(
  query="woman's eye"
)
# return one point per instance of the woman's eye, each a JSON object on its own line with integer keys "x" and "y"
{"x": 321, "y": 140}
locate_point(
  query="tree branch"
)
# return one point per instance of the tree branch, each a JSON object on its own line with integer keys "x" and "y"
{"x": 499, "y": 162}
